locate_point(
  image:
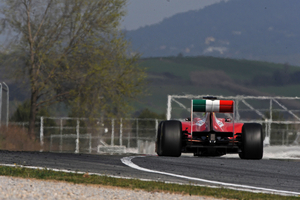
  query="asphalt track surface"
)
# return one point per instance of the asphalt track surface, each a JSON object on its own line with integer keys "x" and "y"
{"x": 281, "y": 175}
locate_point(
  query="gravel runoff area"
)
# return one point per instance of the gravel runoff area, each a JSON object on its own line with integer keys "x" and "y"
{"x": 20, "y": 188}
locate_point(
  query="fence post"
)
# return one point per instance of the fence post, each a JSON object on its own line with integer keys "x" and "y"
{"x": 121, "y": 132}
{"x": 77, "y": 139}
{"x": 137, "y": 131}
{"x": 156, "y": 128}
{"x": 90, "y": 144}
{"x": 271, "y": 119}
{"x": 42, "y": 133}
{"x": 266, "y": 133}
{"x": 128, "y": 138}
{"x": 60, "y": 142}
{"x": 112, "y": 132}
{"x": 237, "y": 110}
{"x": 169, "y": 108}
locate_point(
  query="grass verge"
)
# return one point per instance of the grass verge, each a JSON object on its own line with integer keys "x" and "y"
{"x": 134, "y": 184}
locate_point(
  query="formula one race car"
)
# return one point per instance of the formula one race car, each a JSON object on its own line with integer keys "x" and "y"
{"x": 209, "y": 135}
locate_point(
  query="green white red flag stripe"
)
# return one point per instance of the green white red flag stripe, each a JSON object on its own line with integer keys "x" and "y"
{"x": 201, "y": 105}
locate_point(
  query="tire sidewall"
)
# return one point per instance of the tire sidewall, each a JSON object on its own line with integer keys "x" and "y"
{"x": 170, "y": 140}
{"x": 252, "y": 141}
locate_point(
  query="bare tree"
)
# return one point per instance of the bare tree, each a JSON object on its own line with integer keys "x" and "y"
{"x": 72, "y": 51}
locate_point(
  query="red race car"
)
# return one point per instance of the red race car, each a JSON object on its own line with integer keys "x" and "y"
{"x": 210, "y": 135}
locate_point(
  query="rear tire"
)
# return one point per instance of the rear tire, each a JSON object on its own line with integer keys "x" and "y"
{"x": 252, "y": 141}
{"x": 169, "y": 138}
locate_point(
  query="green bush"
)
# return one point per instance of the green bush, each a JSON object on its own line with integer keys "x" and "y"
{"x": 23, "y": 111}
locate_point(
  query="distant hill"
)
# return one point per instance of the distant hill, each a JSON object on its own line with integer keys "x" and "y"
{"x": 250, "y": 29}
{"x": 215, "y": 76}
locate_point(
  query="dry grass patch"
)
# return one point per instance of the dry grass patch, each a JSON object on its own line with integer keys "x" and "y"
{"x": 14, "y": 138}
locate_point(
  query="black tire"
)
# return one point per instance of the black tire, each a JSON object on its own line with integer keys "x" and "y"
{"x": 169, "y": 138}
{"x": 252, "y": 141}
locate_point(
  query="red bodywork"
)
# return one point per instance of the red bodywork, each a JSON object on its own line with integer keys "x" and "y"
{"x": 218, "y": 125}
{"x": 211, "y": 135}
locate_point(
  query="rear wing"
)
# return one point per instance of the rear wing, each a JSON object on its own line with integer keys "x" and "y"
{"x": 206, "y": 105}
{"x": 203, "y": 105}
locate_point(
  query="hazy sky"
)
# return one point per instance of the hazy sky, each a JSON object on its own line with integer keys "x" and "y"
{"x": 146, "y": 12}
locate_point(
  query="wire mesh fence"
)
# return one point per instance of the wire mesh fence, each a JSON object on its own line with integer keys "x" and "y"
{"x": 280, "y": 117}
{"x": 123, "y": 135}
{"x": 82, "y": 135}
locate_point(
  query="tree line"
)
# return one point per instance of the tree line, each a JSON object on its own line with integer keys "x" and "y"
{"x": 279, "y": 77}
{"x": 71, "y": 51}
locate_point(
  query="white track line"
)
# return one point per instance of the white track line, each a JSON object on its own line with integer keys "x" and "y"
{"x": 96, "y": 174}
{"x": 127, "y": 161}
{"x": 69, "y": 171}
